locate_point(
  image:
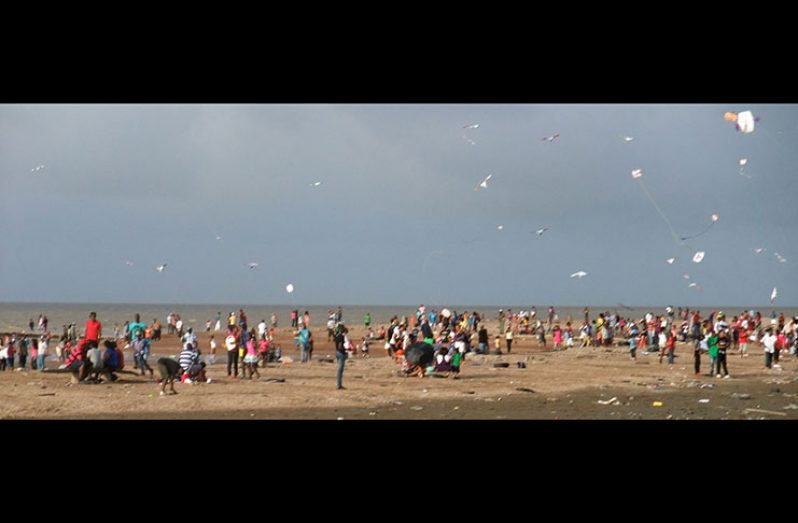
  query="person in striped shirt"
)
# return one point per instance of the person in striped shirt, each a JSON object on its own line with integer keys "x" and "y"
{"x": 189, "y": 361}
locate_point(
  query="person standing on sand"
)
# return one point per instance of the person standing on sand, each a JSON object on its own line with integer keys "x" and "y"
{"x": 340, "y": 354}
{"x": 501, "y": 322}
{"x": 231, "y": 344}
{"x": 94, "y": 329}
{"x": 367, "y": 320}
{"x": 723, "y": 346}
{"x": 274, "y": 321}
{"x": 557, "y": 336}
{"x": 769, "y": 343}
{"x": 218, "y": 326}
{"x": 509, "y": 339}
{"x": 304, "y": 342}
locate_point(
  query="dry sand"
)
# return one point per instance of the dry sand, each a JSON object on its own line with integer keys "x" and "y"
{"x": 567, "y": 385}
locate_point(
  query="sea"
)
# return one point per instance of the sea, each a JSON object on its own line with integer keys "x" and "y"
{"x": 14, "y": 317}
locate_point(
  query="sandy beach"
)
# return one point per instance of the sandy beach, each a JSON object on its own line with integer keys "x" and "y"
{"x": 577, "y": 383}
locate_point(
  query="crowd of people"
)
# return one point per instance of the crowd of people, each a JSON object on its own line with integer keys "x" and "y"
{"x": 452, "y": 336}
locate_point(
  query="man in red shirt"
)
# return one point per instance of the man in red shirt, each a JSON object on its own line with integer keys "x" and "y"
{"x": 94, "y": 329}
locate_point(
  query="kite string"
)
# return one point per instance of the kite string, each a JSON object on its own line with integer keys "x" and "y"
{"x": 700, "y": 233}
{"x": 676, "y": 238}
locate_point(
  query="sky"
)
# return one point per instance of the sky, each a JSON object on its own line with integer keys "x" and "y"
{"x": 396, "y": 218}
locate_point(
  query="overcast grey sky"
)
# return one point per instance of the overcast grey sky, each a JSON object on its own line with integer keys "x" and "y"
{"x": 396, "y": 219}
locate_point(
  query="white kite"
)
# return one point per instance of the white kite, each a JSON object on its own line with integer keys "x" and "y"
{"x": 580, "y": 274}
{"x": 686, "y": 276}
{"x": 129, "y": 263}
{"x": 218, "y": 237}
{"x": 550, "y": 138}
{"x": 252, "y": 265}
{"x": 472, "y": 126}
{"x": 160, "y": 268}
{"x": 37, "y": 168}
{"x": 628, "y": 139}
{"x": 670, "y": 261}
{"x": 773, "y": 295}
{"x": 540, "y": 231}
{"x": 745, "y": 122}
{"x": 697, "y": 257}
{"x": 289, "y": 288}
{"x": 781, "y": 258}
{"x": 500, "y": 227}
{"x": 637, "y": 173}
{"x": 483, "y": 183}
{"x": 315, "y": 184}
{"x": 694, "y": 284}
{"x": 469, "y": 140}
{"x": 760, "y": 250}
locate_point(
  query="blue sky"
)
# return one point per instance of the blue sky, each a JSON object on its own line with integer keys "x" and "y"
{"x": 396, "y": 219}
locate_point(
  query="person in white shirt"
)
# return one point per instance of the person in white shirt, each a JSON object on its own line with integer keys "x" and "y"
{"x": 769, "y": 342}
{"x": 262, "y": 330}
{"x": 231, "y": 344}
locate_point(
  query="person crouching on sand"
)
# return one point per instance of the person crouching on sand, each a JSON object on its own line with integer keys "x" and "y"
{"x": 168, "y": 369}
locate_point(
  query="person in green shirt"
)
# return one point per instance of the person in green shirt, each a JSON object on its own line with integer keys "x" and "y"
{"x": 367, "y": 319}
{"x": 712, "y": 343}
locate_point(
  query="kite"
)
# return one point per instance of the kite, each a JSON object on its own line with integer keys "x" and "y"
{"x": 550, "y": 138}
{"x": 252, "y": 265}
{"x": 745, "y": 121}
{"x": 773, "y": 295}
{"x": 540, "y": 231}
{"x": 580, "y": 274}
{"x": 670, "y": 261}
{"x": 472, "y": 126}
{"x": 697, "y": 257}
{"x": 500, "y": 227}
{"x": 160, "y": 268}
{"x": 218, "y": 237}
{"x": 37, "y": 168}
{"x": 760, "y": 250}
{"x": 483, "y": 183}
{"x": 289, "y": 288}
{"x": 743, "y": 161}
{"x": 315, "y": 184}
{"x": 129, "y": 263}
{"x": 628, "y": 139}
{"x": 714, "y": 218}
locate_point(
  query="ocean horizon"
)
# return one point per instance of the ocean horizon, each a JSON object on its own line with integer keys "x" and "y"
{"x": 14, "y": 316}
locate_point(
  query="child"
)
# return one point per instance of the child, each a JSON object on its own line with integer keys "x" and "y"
{"x": 542, "y": 338}
{"x": 251, "y": 359}
{"x": 365, "y": 347}
{"x": 498, "y": 344}
{"x": 662, "y": 343}
{"x": 263, "y": 349}
{"x": 670, "y": 345}
{"x": 42, "y": 353}
{"x": 457, "y": 358}
{"x": 557, "y": 335}
{"x": 212, "y": 357}
{"x": 509, "y": 337}
{"x": 712, "y": 347}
